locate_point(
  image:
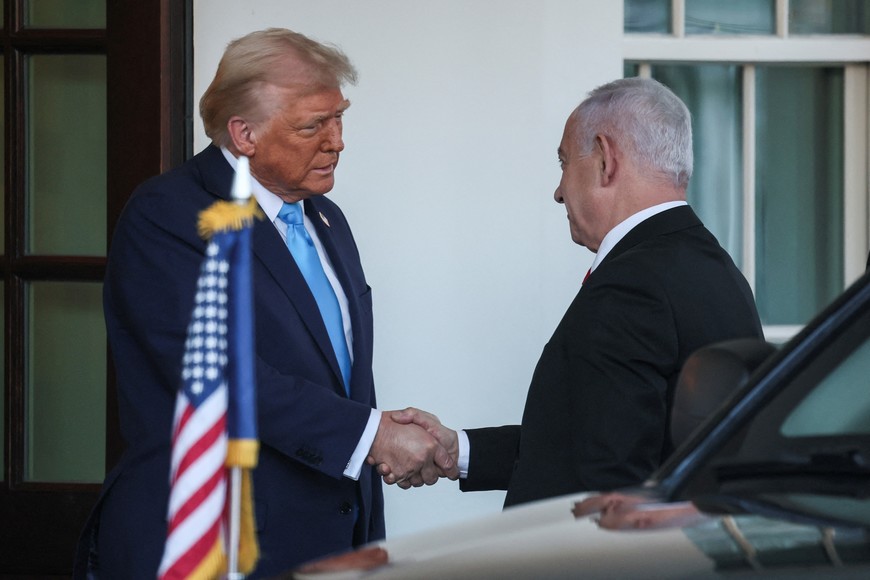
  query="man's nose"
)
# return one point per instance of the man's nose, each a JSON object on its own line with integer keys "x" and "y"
{"x": 333, "y": 140}
{"x": 557, "y": 195}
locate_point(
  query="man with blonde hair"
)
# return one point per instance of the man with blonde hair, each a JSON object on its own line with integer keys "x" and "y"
{"x": 276, "y": 99}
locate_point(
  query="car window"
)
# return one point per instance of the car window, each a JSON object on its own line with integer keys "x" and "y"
{"x": 840, "y": 403}
{"x": 821, "y": 407}
{"x": 805, "y": 451}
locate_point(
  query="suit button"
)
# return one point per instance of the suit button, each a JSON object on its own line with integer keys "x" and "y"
{"x": 345, "y": 508}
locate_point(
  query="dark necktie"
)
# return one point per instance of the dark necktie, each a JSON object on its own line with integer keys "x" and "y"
{"x": 305, "y": 254}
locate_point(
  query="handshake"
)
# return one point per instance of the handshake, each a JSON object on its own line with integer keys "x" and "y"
{"x": 412, "y": 447}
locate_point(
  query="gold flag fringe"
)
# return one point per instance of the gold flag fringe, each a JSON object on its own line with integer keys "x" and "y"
{"x": 224, "y": 216}
{"x": 242, "y": 453}
{"x": 249, "y": 550}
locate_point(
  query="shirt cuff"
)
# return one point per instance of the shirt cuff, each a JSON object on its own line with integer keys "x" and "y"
{"x": 358, "y": 459}
{"x": 464, "y": 451}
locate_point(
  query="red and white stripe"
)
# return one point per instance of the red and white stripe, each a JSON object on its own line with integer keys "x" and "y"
{"x": 198, "y": 483}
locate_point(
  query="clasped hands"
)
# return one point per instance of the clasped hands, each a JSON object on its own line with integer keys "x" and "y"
{"x": 413, "y": 448}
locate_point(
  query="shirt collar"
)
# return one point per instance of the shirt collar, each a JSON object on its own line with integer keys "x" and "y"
{"x": 617, "y": 233}
{"x": 269, "y": 202}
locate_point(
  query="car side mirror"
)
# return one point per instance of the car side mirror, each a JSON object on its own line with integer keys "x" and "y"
{"x": 708, "y": 378}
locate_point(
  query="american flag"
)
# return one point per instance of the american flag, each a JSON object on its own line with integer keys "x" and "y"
{"x": 199, "y": 440}
{"x": 215, "y": 427}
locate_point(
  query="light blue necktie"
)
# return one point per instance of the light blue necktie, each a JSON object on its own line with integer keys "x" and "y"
{"x": 305, "y": 254}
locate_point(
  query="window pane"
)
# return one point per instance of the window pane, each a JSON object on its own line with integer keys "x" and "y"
{"x": 66, "y": 134}
{"x": 66, "y": 383}
{"x": 829, "y": 17}
{"x": 799, "y": 191}
{"x": 647, "y": 16}
{"x": 65, "y": 14}
{"x": 713, "y": 95}
{"x": 732, "y": 17}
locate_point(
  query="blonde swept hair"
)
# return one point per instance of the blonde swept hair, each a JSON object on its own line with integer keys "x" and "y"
{"x": 275, "y": 56}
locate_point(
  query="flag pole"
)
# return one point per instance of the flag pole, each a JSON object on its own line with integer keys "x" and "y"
{"x": 235, "y": 509}
{"x": 241, "y": 194}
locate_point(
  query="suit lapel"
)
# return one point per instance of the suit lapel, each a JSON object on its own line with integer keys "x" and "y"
{"x": 319, "y": 216}
{"x": 324, "y": 231}
{"x": 271, "y": 251}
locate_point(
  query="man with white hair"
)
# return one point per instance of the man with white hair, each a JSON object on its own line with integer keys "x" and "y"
{"x": 660, "y": 287}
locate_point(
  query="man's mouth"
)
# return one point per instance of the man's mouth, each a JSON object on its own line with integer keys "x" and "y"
{"x": 325, "y": 170}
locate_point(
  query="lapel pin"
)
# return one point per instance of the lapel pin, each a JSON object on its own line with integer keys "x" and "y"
{"x": 323, "y": 217}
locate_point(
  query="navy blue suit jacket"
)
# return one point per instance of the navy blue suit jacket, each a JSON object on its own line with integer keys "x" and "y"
{"x": 308, "y": 427}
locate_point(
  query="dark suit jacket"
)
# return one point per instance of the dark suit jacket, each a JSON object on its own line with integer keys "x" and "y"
{"x": 308, "y": 427}
{"x": 597, "y": 411}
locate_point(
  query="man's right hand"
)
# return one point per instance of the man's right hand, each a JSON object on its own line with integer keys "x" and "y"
{"x": 446, "y": 437}
{"x": 408, "y": 455}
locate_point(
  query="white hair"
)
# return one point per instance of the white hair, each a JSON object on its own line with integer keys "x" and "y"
{"x": 647, "y": 119}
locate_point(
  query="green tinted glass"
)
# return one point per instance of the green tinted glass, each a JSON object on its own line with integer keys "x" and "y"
{"x": 732, "y": 17}
{"x": 65, "y": 13}
{"x": 66, "y": 148}
{"x": 829, "y": 17}
{"x": 66, "y": 377}
{"x": 839, "y": 405}
{"x": 799, "y": 191}
{"x": 647, "y": 16}
{"x": 713, "y": 95}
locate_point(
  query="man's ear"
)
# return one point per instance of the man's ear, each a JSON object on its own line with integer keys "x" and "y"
{"x": 609, "y": 158}
{"x": 242, "y": 135}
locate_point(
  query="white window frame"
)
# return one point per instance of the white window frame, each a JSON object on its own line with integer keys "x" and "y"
{"x": 852, "y": 52}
